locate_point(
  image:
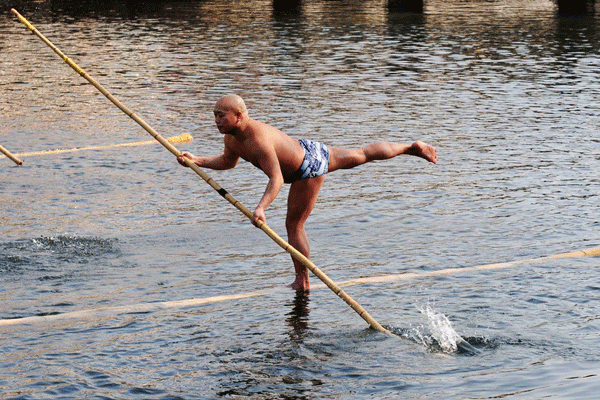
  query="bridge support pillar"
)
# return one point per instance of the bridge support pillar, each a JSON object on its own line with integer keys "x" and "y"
{"x": 414, "y": 6}
{"x": 576, "y": 7}
{"x": 287, "y": 5}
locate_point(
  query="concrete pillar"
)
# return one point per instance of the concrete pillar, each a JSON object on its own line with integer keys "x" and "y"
{"x": 414, "y": 6}
{"x": 576, "y": 7}
{"x": 287, "y": 6}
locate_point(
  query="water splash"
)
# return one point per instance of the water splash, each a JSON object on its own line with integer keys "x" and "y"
{"x": 441, "y": 330}
{"x": 438, "y": 336}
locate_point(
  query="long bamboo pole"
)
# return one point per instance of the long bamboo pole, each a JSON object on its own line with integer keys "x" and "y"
{"x": 10, "y": 155}
{"x": 146, "y": 307}
{"x": 285, "y": 245}
{"x": 185, "y": 137}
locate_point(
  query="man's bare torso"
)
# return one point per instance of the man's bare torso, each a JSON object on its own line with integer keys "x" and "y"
{"x": 259, "y": 140}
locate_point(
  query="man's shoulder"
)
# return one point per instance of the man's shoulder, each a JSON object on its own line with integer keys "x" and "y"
{"x": 262, "y": 133}
{"x": 255, "y": 127}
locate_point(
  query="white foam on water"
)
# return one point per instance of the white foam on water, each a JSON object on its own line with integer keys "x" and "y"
{"x": 441, "y": 330}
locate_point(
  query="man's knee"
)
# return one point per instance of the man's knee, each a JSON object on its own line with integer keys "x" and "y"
{"x": 294, "y": 225}
{"x": 378, "y": 151}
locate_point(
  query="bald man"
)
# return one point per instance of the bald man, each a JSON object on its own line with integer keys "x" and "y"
{"x": 301, "y": 163}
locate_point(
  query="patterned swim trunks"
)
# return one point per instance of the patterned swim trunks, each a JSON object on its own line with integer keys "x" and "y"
{"x": 316, "y": 161}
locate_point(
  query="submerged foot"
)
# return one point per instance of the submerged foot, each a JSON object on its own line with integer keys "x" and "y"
{"x": 301, "y": 284}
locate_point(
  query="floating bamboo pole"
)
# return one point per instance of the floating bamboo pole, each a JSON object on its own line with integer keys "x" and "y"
{"x": 185, "y": 137}
{"x": 147, "y": 307}
{"x": 263, "y": 226}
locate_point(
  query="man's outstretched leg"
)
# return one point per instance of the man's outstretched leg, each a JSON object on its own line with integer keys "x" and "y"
{"x": 301, "y": 201}
{"x": 345, "y": 158}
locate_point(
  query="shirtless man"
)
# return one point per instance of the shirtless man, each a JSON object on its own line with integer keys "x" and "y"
{"x": 304, "y": 164}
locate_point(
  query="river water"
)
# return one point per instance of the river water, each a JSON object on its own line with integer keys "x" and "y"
{"x": 114, "y": 261}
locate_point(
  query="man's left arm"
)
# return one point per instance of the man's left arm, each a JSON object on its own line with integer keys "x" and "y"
{"x": 269, "y": 164}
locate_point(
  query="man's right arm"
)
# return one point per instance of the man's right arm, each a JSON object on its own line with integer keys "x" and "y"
{"x": 227, "y": 160}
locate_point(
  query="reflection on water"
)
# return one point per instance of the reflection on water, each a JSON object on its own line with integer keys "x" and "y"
{"x": 321, "y": 13}
{"x": 298, "y": 319}
{"x": 506, "y": 90}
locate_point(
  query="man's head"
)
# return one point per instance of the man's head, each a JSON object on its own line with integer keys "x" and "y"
{"x": 230, "y": 113}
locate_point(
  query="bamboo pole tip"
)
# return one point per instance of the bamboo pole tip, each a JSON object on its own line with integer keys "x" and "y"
{"x": 183, "y": 138}
{"x": 186, "y": 137}
{"x": 592, "y": 252}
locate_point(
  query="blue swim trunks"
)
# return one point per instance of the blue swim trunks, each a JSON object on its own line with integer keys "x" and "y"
{"x": 316, "y": 161}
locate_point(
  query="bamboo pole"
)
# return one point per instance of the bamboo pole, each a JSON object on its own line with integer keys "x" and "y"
{"x": 147, "y": 307}
{"x": 10, "y": 155}
{"x": 185, "y": 137}
{"x": 594, "y": 252}
{"x": 285, "y": 245}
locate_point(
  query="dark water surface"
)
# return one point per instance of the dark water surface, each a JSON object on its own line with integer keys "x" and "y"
{"x": 108, "y": 248}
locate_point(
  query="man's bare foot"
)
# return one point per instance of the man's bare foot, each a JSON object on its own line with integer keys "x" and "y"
{"x": 424, "y": 150}
{"x": 301, "y": 283}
